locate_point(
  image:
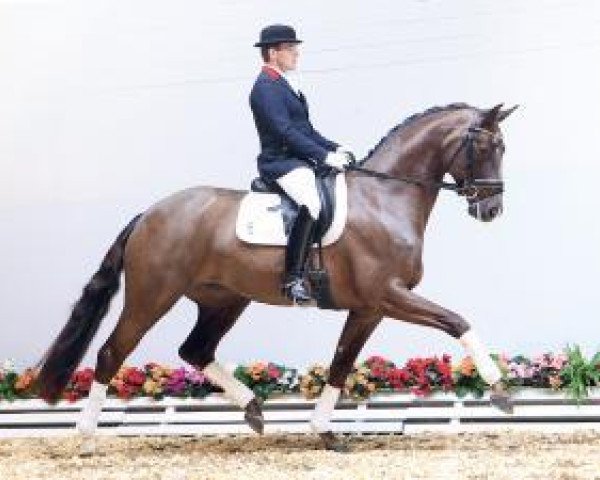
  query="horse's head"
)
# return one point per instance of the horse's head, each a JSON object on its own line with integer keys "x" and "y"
{"x": 476, "y": 164}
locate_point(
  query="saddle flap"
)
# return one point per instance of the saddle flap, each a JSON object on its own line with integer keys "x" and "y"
{"x": 265, "y": 218}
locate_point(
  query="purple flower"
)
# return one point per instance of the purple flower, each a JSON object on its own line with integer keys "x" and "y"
{"x": 176, "y": 383}
{"x": 195, "y": 377}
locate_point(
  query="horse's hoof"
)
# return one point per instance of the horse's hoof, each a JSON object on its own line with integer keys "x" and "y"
{"x": 333, "y": 443}
{"x": 254, "y": 417}
{"x": 87, "y": 448}
{"x": 502, "y": 401}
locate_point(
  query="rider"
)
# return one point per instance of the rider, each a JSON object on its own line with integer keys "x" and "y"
{"x": 290, "y": 147}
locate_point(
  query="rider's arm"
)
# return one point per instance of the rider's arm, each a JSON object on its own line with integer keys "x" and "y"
{"x": 268, "y": 104}
{"x": 324, "y": 142}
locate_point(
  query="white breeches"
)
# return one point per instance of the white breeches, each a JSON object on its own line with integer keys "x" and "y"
{"x": 300, "y": 184}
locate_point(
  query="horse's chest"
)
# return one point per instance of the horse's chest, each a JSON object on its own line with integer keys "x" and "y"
{"x": 407, "y": 264}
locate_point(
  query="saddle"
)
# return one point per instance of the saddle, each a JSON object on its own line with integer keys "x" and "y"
{"x": 289, "y": 208}
{"x": 267, "y": 214}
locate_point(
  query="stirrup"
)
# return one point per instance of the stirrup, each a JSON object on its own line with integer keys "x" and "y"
{"x": 296, "y": 291}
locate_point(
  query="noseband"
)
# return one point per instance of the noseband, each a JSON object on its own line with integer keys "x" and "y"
{"x": 470, "y": 187}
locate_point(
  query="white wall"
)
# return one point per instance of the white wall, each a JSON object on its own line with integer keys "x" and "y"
{"x": 108, "y": 106}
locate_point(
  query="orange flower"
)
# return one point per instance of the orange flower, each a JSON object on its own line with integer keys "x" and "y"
{"x": 25, "y": 380}
{"x": 555, "y": 382}
{"x": 467, "y": 367}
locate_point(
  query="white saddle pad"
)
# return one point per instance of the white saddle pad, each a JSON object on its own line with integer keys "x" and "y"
{"x": 259, "y": 219}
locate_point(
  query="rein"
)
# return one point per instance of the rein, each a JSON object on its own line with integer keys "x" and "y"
{"x": 469, "y": 188}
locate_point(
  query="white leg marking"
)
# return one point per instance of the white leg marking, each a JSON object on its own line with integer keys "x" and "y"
{"x": 320, "y": 420}
{"x": 233, "y": 389}
{"x": 486, "y": 367}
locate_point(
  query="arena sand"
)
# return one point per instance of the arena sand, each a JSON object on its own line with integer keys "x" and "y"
{"x": 501, "y": 455}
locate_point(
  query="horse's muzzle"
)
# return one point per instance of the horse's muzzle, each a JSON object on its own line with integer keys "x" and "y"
{"x": 486, "y": 209}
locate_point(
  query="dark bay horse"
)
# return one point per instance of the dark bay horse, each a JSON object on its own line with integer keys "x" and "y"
{"x": 185, "y": 245}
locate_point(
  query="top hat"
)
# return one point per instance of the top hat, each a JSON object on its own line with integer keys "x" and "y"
{"x": 274, "y": 34}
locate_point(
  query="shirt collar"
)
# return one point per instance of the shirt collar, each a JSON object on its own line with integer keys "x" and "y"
{"x": 292, "y": 82}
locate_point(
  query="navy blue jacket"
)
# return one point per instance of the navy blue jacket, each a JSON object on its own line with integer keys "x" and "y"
{"x": 287, "y": 138}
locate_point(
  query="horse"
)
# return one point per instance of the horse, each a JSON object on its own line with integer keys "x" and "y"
{"x": 185, "y": 246}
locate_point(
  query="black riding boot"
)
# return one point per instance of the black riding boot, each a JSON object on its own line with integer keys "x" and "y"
{"x": 298, "y": 246}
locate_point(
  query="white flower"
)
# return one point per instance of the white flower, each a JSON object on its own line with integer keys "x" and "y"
{"x": 8, "y": 366}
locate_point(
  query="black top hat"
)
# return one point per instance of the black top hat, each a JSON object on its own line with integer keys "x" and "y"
{"x": 277, "y": 34}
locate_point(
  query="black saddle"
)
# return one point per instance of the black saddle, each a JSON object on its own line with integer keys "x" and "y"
{"x": 289, "y": 208}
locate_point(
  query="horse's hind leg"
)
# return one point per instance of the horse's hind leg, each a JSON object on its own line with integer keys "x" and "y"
{"x": 146, "y": 301}
{"x": 199, "y": 350}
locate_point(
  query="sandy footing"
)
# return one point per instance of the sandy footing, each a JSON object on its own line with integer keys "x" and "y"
{"x": 424, "y": 456}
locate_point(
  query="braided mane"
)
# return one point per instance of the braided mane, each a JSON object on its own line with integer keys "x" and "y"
{"x": 407, "y": 121}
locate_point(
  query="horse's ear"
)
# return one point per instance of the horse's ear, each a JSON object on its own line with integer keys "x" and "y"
{"x": 505, "y": 113}
{"x": 490, "y": 118}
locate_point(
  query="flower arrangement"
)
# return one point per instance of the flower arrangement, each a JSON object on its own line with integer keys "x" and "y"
{"x": 578, "y": 374}
{"x": 428, "y": 375}
{"x": 312, "y": 382}
{"x": 567, "y": 371}
{"x": 266, "y": 378}
{"x": 543, "y": 371}
{"x": 360, "y": 384}
{"x": 8, "y": 379}
{"x": 467, "y": 379}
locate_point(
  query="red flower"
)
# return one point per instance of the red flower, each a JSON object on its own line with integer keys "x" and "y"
{"x": 134, "y": 376}
{"x": 398, "y": 378}
{"x": 376, "y": 360}
{"x": 71, "y": 395}
{"x": 125, "y": 391}
{"x": 82, "y": 380}
{"x": 421, "y": 391}
{"x": 273, "y": 372}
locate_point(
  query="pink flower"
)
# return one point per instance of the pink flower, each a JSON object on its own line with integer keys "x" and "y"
{"x": 196, "y": 376}
{"x": 273, "y": 372}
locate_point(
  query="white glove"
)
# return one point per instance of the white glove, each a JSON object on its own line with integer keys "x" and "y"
{"x": 348, "y": 151}
{"x": 338, "y": 160}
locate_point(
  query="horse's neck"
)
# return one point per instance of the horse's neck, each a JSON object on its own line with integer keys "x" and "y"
{"x": 413, "y": 153}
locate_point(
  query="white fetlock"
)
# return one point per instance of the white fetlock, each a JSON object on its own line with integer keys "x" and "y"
{"x": 486, "y": 367}
{"x": 233, "y": 389}
{"x": 87, "y": 426}
{"x": 92, "y": 409}
{"x": 87, "y": 446}
{"x": 320, "y": 419}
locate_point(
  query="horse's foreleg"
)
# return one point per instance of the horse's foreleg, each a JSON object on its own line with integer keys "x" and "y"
{"x": 356, "y": 332}
{"x": 199, "y": 350}
{"x": 403, "y": 304}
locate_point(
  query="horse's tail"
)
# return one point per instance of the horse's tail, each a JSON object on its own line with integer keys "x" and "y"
{"x": 64, "y": 355}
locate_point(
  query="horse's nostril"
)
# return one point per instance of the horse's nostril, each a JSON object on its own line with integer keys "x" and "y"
{"x": 493, "y": 211}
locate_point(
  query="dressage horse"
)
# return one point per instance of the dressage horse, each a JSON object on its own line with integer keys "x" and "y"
{"x": 185, "y": 246}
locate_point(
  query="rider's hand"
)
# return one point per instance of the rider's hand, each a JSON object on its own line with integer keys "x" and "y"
{"x": 338, "y": 160}
{"x": 344, "y": 149}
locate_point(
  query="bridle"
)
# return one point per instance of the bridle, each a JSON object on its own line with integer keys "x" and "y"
{"x": 470, "y": 187}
